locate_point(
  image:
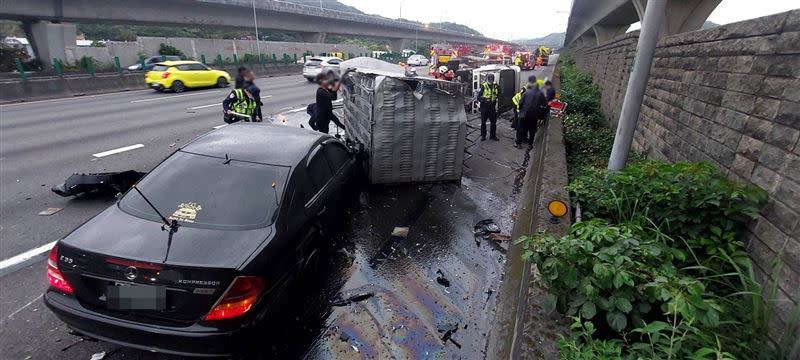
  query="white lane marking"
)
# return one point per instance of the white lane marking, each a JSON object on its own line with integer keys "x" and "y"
{"x": 118, "y": 150}
{"x": 219, "y": 104}
{"x": 24, "y": 306}
{"x": 297, "y": 110}
{"x": 14, "y": 260}
{"x": 220, "y": 126}
{"x": 203, "y": 106}
{"x": 71, "y": 98}
{"x": 285, "y": 108}
{"x": 172, "y": 96}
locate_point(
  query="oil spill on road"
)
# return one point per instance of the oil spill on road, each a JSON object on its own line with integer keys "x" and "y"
{"x": 404, "y": 317}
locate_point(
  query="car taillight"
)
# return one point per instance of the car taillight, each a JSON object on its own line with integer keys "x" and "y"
{"x": 238, "y": 299}
{"x": 54, "y": 276}
{"x": 165, "y": 74}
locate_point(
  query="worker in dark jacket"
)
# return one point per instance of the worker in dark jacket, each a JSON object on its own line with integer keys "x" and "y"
{"x": 533, "y": 107}
{"x": 549, "y": 91}
{"x": 487, "y": 97}
{"x": 326, "y": 94}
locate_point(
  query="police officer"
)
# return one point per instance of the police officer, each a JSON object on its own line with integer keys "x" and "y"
{"x": 516, "y": 100}
{"x": 241, "y": 102}
{"x": 487, "y": 97}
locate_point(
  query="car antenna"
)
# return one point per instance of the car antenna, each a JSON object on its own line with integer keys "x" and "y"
{"x": 277, "y": 204}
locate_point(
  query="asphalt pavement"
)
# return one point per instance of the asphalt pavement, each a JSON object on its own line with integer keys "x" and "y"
{"x": 41, "y": 143}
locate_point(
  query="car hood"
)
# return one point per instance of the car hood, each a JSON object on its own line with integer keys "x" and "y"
{"x": 116, "y": 233}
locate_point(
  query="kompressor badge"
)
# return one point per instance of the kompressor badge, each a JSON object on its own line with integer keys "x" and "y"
{"x": 187, "y": 212}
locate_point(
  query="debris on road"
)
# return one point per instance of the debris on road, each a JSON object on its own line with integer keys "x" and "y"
{"x": 499, "y": 237}
{"x": 441, "y": 279}
{"x": 485, "y": 228}
{"x": 448, "y": 328}
{"x": 49, "y": 211}
{"x": 98, "y": 356}
{"x": 354, "y": 298}
{"x": 98, "y": 183}
{"x": 400, "y": 231}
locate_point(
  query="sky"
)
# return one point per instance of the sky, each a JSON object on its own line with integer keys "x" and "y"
{"x": 510, "y": 19}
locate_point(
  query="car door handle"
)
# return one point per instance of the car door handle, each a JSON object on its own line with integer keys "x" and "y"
{"x": 322, "y": 211}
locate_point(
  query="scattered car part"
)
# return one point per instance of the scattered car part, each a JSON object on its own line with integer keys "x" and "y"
{"x": 98, "y": 183}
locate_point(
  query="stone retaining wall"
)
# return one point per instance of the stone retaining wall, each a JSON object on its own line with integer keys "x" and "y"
{"x": 729, "y": 96}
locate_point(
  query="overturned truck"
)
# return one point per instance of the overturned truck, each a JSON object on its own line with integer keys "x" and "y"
{"x": 413, "y": 128}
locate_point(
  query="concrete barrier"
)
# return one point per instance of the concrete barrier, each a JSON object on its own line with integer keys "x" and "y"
{"x": 53, "y": 87}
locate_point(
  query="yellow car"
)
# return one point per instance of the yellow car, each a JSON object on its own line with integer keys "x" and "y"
{"x": 180, "y": 75}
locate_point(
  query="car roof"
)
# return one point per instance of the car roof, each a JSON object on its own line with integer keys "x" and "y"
{"x": 177, "y": 62}
{"x": 262, "y": 143}
{"x": 325, "y": 58}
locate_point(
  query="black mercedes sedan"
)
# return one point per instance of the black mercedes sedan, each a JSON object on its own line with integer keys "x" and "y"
{"x": 198, "y": 254}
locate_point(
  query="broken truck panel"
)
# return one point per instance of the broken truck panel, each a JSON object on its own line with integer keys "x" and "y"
{"x": 414, "y": 128}
{"x": 98, "y": 183}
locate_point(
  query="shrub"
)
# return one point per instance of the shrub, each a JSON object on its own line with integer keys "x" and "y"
{"x": 691, "y": 202}
{"x": 164, "y": 49}
{"x": 617, "y": 273}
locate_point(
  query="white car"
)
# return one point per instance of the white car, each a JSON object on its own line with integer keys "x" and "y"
{"x": 417, "y": 60}
{"x": 321, "y": 65}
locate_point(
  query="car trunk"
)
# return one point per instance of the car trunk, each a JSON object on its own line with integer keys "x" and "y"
{"x": 156, "y": 73}
{"x": 195, "y": 269}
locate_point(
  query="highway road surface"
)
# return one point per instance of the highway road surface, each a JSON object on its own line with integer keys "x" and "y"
{"x": 42, "y": 143}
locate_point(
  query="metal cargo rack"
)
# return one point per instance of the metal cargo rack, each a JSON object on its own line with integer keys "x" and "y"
{"x": 413, "y": 128}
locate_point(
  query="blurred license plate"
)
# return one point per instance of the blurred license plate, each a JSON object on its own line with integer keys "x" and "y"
{"x": 136, "y": 297}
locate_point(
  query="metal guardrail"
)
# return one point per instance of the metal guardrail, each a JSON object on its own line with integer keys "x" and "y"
{"x": 283, "y": 6}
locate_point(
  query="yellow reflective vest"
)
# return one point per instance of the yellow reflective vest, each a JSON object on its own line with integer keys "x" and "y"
{"x": 489, "y": 92}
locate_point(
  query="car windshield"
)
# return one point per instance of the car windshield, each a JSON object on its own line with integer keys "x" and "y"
{"x": 313, "y": 62}
{"x": 160, "y": 67}
{"x": 209, "y": 192}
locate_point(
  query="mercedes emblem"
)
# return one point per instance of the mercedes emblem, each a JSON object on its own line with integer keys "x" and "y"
{"x": 131, "y": 272}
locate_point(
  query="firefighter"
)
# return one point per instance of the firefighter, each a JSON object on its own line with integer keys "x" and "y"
{"x": 487, "y": 98}
{"x": 518, "y": 61}
{"x": 241, "y": 104}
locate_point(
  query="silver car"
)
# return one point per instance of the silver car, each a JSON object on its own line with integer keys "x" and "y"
{"x": 321, "y": 65}
{"x": 417, "y": 60}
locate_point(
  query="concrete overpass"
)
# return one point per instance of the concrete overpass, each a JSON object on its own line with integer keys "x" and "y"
{"x": 47, "y": 22}
{"x": 593, "y": 22}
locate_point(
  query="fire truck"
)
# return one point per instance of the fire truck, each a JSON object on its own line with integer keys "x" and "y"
{"x": 497, "y": 52}
{"x": 544, "y": 56}
{"x": 526, "y": 60}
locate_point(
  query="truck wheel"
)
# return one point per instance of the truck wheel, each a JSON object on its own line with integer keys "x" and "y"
{"x": 178, "y": 87}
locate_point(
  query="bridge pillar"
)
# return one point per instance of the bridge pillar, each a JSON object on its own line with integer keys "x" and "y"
{"x": 681, "y": 15}
{"x": 50, "y": 40}
{"x": 397, "y": 45}
{"x": 606, "y": 33}
{"x": 317, "y": 37}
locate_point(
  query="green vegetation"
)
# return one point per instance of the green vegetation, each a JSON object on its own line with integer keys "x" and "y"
{"x": 164, "y": 49}
{"x": 658, "y": 268}
{"x": 586, "y": 134}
